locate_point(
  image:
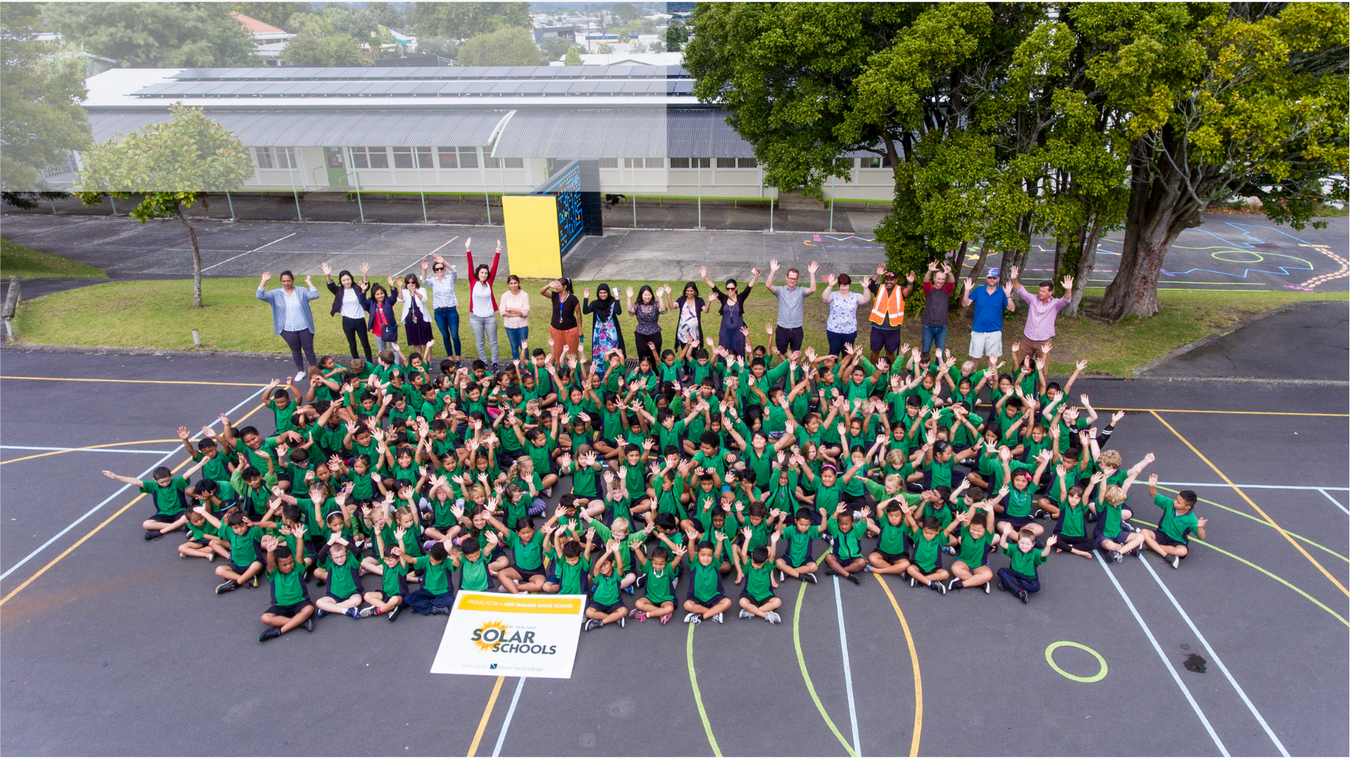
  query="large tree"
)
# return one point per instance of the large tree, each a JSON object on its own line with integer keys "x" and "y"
{"x": 172, "y": 164}
{"x": 312, "y": 48}
{"x": 508, "y": 46}
{"x": 41, "y": 120}
{"x": 1218, "y": 100}
{"x": 152, "y": 35}
{"x": 464, "y": 20}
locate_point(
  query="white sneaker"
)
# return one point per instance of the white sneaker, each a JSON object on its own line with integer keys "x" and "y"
{"x": 299, "y": 376}
{"x": 745, "y": 614}
{"x": 773, "y": 618}
{"x": 718, "y": 618}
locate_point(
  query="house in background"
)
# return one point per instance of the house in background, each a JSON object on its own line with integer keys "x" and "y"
{"x": 268, "y": 40}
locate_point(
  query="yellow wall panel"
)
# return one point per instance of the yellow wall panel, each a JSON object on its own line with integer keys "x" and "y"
{"x": 532, "y": 235}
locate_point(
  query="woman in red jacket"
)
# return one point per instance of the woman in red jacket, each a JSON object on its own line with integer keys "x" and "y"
{"x": 483, "y": 304}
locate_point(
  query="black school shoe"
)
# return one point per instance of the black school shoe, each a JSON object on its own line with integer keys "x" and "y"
{"x": 269, "y": 633}
{"x": 1024, "y": 596}
{"x": 308, "y": 624}
{"x": 153, "y": 534}
{"x": 854, "y": 578}
{"x": 393, "y": 613}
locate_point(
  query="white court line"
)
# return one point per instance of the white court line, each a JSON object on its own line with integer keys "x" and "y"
{"x": 506, "y": 725}
{"x": 121, "y": 490}
{"x": 1196, "y": 707}
{"x": 848, "y": 671}
{"x": 255, "y": 250}
{"x": 429, "y": 255}
{"x": 1259, "y": 487}
{"x": 1250, "y": 707}
{"x": 82, "y": 450}
{"x": 1324, "y": 492}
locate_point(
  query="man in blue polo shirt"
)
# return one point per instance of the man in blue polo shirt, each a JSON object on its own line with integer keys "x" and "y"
{"x": 986, "y": 331}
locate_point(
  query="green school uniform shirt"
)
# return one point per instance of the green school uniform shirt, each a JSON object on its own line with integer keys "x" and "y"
{"x": 759, "y": 581}
{"x": 1072, "y": 523}
{"x": 1023, "y": 563}
{"x": 282, "y": 414}
{"x": 288, "y": 588}
{"x": 389, "y": 581}
{"x": 707, "y": 582}
{"x": 342, "y": 582}
{"x": 1020, "y": 502}
{"x": 893, "y": 536}
{"x": 570, "y": 575}
{"x": 1175, "y": 526}
{"x": 973, "y": 550}
{"x": 798, "y": 543}
{"x": 846, "y": 546}
{"x": 659, "y": 584}
{"x": 606, "y": 590}
{"x": 528, "y": 555}
{"x": 244, "y": 548}
{"x": 435, "y": 577}
{"x": 474, "y": 574}
{"x": 925, "y": 550}
{"x": 169, "y": 500}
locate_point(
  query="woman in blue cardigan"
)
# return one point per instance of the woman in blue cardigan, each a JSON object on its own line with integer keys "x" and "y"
{"x": 291, "y": 317}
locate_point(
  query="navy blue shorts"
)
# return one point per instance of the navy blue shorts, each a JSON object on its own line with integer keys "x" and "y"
{"x": 605, "y": 608}
{"x": 1163, "y": 540}
{"x": 288, "y": 611}
{"x": 1017, "y": 522}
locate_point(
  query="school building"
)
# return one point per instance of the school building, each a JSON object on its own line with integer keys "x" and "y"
{"x": 471, "y": 131}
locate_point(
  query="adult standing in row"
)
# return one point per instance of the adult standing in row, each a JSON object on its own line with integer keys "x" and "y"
{"x": 483, "y": 304}
{"x": 938, "y": 285}
{"x": 1042, "y": 310}
{"x": 690, "y": 307}
{"x": 383, "y": 323}
{"x": 788, "y": 336}
{"x": 841, "y": 327}
{"x": 986, "y": 327}
{"x": 605, "y": 332}
{"x": 729, "y": 335}
{"x": 888, "y": 311}
{"x": 291, "y": 317}
{"x": 349, "y": 299}
{"x": 515, "y": 310}
{"x": 416, "y": 317}
{"x": 444, "y": 303}
{"x": 647, "y": 310}
{"x": 564, "y": 326}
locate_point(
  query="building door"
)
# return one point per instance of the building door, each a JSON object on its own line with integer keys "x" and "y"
{"x": 337, "y": 168}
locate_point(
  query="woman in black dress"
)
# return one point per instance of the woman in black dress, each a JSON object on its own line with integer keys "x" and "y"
{"x": 729, "y": 334}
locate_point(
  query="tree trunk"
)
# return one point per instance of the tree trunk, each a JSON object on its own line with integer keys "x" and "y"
{"x": 1160, "y": 210}
{"x": 960, "y": 260}
{"x": 979, "y": 263}
{"x": 196, "y": 262}
{"x": 1087, "y": 261}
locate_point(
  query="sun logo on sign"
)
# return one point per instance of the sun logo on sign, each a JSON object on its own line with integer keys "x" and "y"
{"x": 489, "y": 635}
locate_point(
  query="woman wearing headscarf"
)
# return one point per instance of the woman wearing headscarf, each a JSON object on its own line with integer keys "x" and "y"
{"x": 605, "y": 333}
{"x": 648, "y": 310}
{"x": 690, "y": 307}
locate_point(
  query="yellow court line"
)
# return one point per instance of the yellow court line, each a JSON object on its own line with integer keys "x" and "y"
{"x": 1199, "y": 411}
{"x": 1252, "y": 503}
{"x": 914, "y": 661}
{"x": 103, "y": 524}
{"x": 487, "y": 714}
{"x": 87, "y": 448}
{"x": 138, "y": 382}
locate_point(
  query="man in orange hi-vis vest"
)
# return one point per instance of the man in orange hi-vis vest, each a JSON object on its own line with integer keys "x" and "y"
{"x": 888, "y": 311}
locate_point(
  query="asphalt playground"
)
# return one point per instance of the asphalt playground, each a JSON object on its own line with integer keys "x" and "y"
{"x": 116, "y": 646}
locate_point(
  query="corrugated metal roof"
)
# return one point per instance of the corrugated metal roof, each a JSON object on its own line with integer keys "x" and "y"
{"x": 650, "y": 133}
{"x": 390, "y": 128}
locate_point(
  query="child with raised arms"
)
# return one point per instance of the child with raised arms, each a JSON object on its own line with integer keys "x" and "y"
{"x": 170, "y": 500}
{"x": 605, "y": 606}
{"x": 705, "y": 599}
{"x": 1170, "y": 540}
{"x": 1072, "y": 528}
{"x": 291, "y": 607}
{"x": 796, "y": 560}
{"x": 341, "y": 571}
{"x": 846, "y": 558}
{"x": 757, "y": 598}
{"x": 926, "y": 567}
{"x": 976, "y": 524}
{"x": 1019, "y": 577}
{"x": 659, "y": 572}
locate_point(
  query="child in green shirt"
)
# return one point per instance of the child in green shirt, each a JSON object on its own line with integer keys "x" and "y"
{"x": 1170, "y": 540}
{"x": 757, "y": 598}
{"x": 290, "y": 607}
{"x": 705, "y": 599}
{"x": 1019, "y": 577}
{"x": 605, "y": 605}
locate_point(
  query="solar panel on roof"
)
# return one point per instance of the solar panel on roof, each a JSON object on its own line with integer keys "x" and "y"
{"x": 633, "y": 88}
{"x": 522, "y": 71}
{"x": 453, "y": 88}
{"x": 581, "y": 88}
{"x": 504, "y": 88}
{"x": 480, "y": 88}
{"x": 495, "y": 71}
{"x": 308, "y": 88}
{"x": 278, "y": 88}
{"x": 253, "y": 88}
{"x": 556, "y": 88}
{"x": 426, "y": 88}
{"x": 380, "y": 88}
{"x": 347, "y": 88}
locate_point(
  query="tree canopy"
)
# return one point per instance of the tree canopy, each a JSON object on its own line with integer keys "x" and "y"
{"x": 508, "y": 46}
{"x": 313, "y": 48}
{"x": 152, "y": 35}
{"x": 172, "y": 164}
{"x": 41, "y": 121}
{"x": 465, "y": 20}
{"x": 1003, "y": 121}
{"x": 278, "y": 14}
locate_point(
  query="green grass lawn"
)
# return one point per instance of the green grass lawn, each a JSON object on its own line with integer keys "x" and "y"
{"x": 24, "y": 262}
{"x": 157, "y": 314}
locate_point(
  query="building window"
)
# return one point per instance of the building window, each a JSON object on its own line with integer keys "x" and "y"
{"x": 275, "y": 158}
{"x": 403, "y": 158}
{"x": 691, "y": 163}
{"x": 746, "y": 163}
{"x": 679, "y": 163}
{"x": 876, "y": 162}
{"x": 656, "y": 163}
{"x": 726, "y": 163}
{"x": 609, "y": 163}
{"x": 369, "y": 158}
{"x": 468, "y": 158}
{"x": 509, "y": 163}
{"x": 447, "y": 157}
{"x": 636, "y": 163}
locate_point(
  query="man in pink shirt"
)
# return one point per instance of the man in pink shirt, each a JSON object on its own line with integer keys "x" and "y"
{"x": 1042, "y": 309}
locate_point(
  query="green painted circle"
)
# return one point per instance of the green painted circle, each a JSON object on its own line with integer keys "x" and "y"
{"x": 1050, "y": 659}
{"x": 1225, "y": 255}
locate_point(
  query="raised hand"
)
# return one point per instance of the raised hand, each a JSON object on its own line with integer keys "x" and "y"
{"x": 326, "y": 269}
{"x": 812, "y": 267}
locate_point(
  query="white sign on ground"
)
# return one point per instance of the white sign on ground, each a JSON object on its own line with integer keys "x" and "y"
{"x": 512, "y": 635}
